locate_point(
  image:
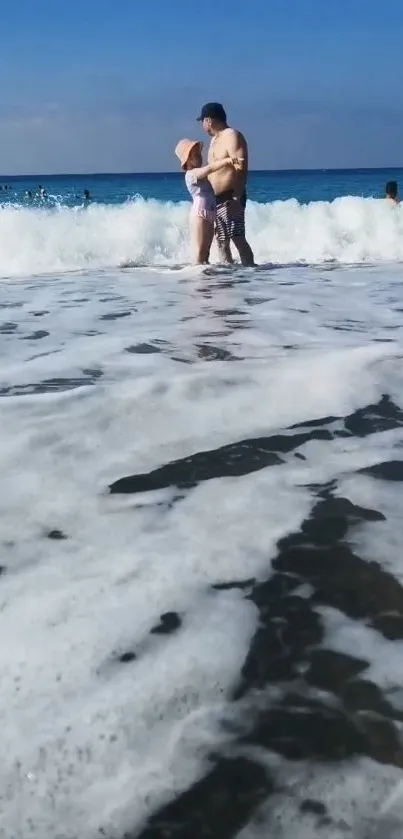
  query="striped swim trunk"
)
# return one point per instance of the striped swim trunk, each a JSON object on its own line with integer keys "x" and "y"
{"x": 230, "y": 221}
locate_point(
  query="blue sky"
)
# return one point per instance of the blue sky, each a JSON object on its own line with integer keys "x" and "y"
{"x": 110, "y": 85}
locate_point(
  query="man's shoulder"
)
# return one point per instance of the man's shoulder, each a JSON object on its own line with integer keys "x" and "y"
{"x": 234, "y": 134}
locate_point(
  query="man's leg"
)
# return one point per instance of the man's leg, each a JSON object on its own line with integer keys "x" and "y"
{"x": 223, "y": 235}
{"x": 237, "y": 231}
{"x": 245, "y": 251}
{"x": 224, "y": 248}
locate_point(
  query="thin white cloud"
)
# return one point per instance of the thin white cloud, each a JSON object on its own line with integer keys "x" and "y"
{"x": 115, "y": 126}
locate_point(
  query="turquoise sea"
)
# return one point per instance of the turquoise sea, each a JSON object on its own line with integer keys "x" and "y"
{"x": 323, "y": 185}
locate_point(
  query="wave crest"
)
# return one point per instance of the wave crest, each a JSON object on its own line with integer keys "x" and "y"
{"x": 149, "y": 232}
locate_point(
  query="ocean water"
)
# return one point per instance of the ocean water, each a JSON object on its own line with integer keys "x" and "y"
{"x": 142, "y": 220}
{"x": 323, "y": 185}
{"x": 201, "y": 581}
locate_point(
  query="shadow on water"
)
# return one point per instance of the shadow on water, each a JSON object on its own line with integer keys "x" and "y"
{"x": 251, "y": 455}
{"x": 54, "y": 385}
{"x": 295, "y": 697}
{"x": 209, "y": 352}
{"x": 37, "y": 335}
{"x": 8, "y": 328}
{"x": 143, "y": 349}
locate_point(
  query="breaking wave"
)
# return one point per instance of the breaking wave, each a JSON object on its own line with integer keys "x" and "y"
{"x": 155, "y": 233}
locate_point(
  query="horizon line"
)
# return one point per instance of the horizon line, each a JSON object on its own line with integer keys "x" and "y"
{"x": 328, "y": 169}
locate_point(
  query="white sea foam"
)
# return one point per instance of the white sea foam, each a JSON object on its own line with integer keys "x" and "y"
{"x": 362, "y": 799}
{"x": 348, "y": 230}
{"x": 89, "y": 743}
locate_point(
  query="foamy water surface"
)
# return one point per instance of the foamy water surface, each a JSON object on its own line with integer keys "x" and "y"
{"x": 148, "y": 232}
{"x": 244, "y": 408}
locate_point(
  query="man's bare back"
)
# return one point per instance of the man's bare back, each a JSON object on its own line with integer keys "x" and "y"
{"x": 228, "y": 143}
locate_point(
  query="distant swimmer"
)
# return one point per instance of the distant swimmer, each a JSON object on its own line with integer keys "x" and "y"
{"x": 87, "y": 196}
{"x": 28, "y": 194}
{"x": 42, "y": 191}
{"x": 391, "y": 192}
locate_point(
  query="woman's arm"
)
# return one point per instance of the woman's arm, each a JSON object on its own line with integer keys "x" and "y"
{"x": 203, "y": 172}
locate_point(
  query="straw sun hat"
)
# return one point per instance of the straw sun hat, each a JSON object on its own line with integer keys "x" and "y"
{"x": 184, "y": 148}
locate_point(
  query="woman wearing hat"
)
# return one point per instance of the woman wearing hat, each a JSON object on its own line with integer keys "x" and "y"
{"x": 203, "y": 212}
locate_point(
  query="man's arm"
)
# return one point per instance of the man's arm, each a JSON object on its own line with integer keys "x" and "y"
{"x": 238, "y": 147}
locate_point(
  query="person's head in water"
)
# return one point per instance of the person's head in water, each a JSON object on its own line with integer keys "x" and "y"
{"x": 86, "y": 194}
{"x": 213, "y": 118}
{"x": 391, "y": 191}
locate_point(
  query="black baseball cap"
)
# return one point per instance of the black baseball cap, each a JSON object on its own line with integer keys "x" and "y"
{"x": 212, "y": 110}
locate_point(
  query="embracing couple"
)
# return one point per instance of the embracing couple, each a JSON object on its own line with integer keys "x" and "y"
{"x": 218, "y": 189}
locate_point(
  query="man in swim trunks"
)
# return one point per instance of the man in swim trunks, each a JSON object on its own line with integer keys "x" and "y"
{"x": 229, "y": 184}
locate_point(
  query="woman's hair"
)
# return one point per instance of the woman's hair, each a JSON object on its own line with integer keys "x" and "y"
{"x": 191, "y": 153}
